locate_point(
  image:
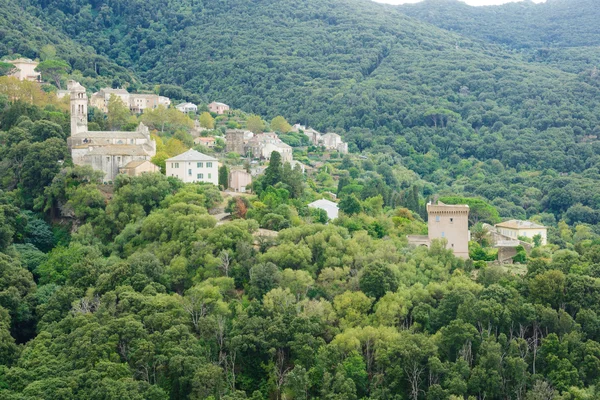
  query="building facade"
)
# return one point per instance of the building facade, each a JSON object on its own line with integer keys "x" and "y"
{"x": 106, "y": 151}
{"x": 25, "y": 69}
{"x": 234, "y": 141}
{"x": 193, "y": 166}
{"x": 187, "y": 108}
{"x": 218, "y": 108}
{"x": 239, "y": 179}
{"x": 137, "y": 168}
{"x": 515, "y": 228}
{"x": 448, "y": 222}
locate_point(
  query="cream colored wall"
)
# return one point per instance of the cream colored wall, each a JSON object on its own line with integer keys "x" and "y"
{"x": 182, "y": 171}
{"x": 452, "y": 226}
{"x": 526, "y": 232}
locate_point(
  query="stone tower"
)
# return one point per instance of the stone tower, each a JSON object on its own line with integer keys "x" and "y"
{"x": 79, "y": 111}
{"x": 235, "y": 141}
{"x": 450, "y": 222}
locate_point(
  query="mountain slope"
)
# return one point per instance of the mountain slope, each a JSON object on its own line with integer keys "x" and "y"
{"x": 21, "y": 33}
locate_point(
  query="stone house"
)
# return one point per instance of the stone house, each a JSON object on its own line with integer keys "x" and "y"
{"x": 193, "y": 166}
{"x": 100, "y": 98}
{"x": 138, "y": 102}
{"x": 137, "y": 168}
{"x": 333, "y": 141}
{"x": 208, "y": 141}
{"x": 284, "y": 149}
{"x": 239, "y": 179}
{"x": 106, "y": 151}
{"x": 25, "y": 69}
{"x": 218, "y": 108}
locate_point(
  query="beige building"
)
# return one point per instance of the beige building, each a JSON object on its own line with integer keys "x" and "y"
{"x": 262, "y": 145}
{"x": 284, "y": 149}
{"x": 515, "y": 228}
{"x": 100, "y": 98}
{"x": 449, "y": 222}
{"x": 208, "y": 141}
{"x": 193, "y": 166}
{"x": 104, "y": 151}
{"x": 25, "y": 69}
{"x": 138, "y": 102}
{"x": 239, "y": 179}
{"x": 218, "y": 108}
{"x": 137, "y": 168}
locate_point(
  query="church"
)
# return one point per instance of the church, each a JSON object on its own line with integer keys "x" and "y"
{"x": 110, "y": 152}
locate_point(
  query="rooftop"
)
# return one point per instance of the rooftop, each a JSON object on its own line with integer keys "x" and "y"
{"x": 330, "y": 207}
{"x": 135, "y": 164}
{"x": 219, "y": 104}
{"x": 111, "y": 135}
{"x": 118, "y": 150}
{"x": 519, "y": 224}
{"x": 441, "y": 207}
{"x": 192, "y": 155}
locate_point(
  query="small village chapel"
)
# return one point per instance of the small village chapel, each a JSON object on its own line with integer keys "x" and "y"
{"x": 110, "y": 152}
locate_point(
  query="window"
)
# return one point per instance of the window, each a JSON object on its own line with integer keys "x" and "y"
{"x": 119, "y": 159}
{"x": 437, "y": 218}
{"x": 443, "y": 234}
{"x": 176, "y": 165}
{"x": 189, "y": 172}
{"x": 199, "y": 165}
{"x": 107, "y": 159}
{"x": 209, "y": 176}
{"x": 451, "y": 220}
{"x": 200, "y": 176}
{"x": 208, "y": 165}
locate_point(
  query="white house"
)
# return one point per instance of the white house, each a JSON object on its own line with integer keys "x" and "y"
{"x": 187, "y": 107}
{"x": 515, "y": 228}
{"x": 193, "y": 166}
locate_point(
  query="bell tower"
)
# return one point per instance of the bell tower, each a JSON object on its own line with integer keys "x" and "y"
{"x": 79, "y": 112}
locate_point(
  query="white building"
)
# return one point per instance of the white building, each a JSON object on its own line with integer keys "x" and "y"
{"x": 515, "y": 228}
{"x": 284, "y": 149}
{"x": 193, "y": 166}
{"x": 333, "y": 141}
{"x": 187, "y": 107}
{"x": 25, "y": 69}
{"x": 330, "y": 207}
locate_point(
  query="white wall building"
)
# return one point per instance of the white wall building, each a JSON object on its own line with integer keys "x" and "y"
{"x": 515, "y": 228}
{"x": 193, "y": 166}
{"x": 187, "y": 107}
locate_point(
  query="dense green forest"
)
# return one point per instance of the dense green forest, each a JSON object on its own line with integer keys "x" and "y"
{"x": 135, "y": 291}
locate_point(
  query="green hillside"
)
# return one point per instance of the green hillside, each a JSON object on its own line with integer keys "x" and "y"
{"x": 22, "y": 34}
{"x": 562, "y": 33}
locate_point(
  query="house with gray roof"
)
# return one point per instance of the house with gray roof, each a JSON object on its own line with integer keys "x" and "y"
{"x": 193, "y": 166}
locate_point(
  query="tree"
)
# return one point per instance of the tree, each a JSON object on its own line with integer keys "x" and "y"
{"x": 274, "y": 171}
{"x": 55, "y": 69}
{"x": 7, "y": 68}
{"x": 255, "y": 124}
{"x": 48, "y": 52}
{"x": 376, "y": 279}
{"x": 206, "y": 120}
{"x": 117, "y": 113}
{"x": 223, "y": 177}
{"x": 279, "y": 124}
{"x": 350, "y": 205}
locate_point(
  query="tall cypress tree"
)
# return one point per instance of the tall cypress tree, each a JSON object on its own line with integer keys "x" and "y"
{"x": 274, "y": 171}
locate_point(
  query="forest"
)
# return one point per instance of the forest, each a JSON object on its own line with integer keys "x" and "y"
{"x": 134, "y": 290}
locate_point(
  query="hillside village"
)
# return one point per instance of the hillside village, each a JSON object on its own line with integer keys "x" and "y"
{"x": 299, "y": 199}
{"x": 229, "y": 149}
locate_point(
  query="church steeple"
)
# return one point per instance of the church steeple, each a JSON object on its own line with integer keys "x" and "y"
{"x": 79, "y": 102}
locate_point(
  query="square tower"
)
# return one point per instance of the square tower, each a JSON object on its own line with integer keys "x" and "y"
{"x": 79, "y": 111}
{"x": 450, "y": 222}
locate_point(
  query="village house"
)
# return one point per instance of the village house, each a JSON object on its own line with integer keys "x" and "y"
{"x": 106, "y": 151}
{"x": 193, "y": 166}
{"x": 333, "y": 141}
{"x": 239, "y": 179}
{"x": 100, "y": 98}
{"x": 285, "y": 150}
{"x": 262, "y": 145}
{"x": 516, "y": 228}
{"x": 313, "y": 135}
{"x": 137, "y": 168}
{"x": 25, "y": 69}
{"x": 187, "y": 108}
{"x": 208, "y": 141}
{"x": 218, "y": 108}
{"x": 137, "y": 102}
{"x": 449, "y": 222}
